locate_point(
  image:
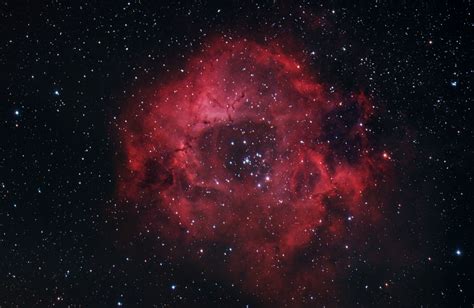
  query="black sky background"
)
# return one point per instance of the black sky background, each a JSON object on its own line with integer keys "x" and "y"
{"x": 64, "y": 239}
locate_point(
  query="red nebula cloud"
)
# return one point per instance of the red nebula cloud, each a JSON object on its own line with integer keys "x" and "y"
{"x": 252, "y": 166}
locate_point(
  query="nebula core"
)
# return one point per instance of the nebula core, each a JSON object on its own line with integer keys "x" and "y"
{"x": 252, "y": 167}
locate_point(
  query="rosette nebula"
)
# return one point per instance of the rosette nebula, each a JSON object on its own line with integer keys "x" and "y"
{"x": 253, "y": 168}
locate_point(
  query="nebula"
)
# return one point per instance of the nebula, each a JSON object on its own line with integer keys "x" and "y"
{"x": 252, "y": 166}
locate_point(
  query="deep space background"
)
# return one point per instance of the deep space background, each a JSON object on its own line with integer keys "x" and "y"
{"x": 68, "y": 69}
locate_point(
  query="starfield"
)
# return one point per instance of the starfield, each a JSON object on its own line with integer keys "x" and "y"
{"x": 236, "y": 154}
